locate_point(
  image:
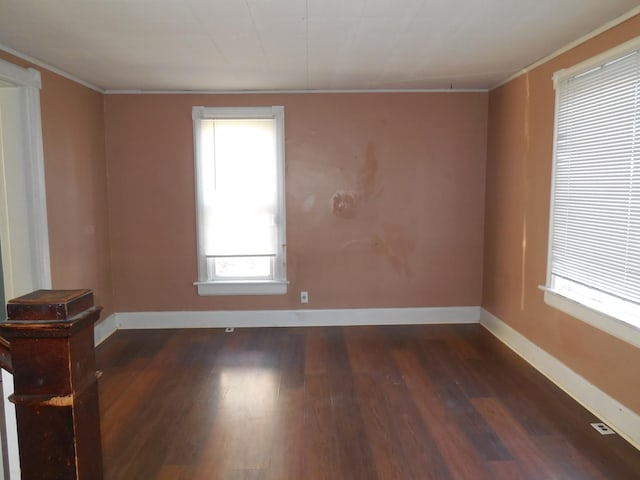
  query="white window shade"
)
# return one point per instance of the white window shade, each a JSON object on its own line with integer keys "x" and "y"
{"x": 595, "y": 218}
{"x": 240, "y": 200}
{"x": 240, "y": 171}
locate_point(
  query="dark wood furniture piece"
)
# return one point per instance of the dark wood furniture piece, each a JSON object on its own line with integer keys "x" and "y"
{"x": 47, "y": 342}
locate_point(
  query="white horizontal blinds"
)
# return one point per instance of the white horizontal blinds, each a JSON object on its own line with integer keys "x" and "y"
{"x": 596, "y": 210}
{"x": 240, "y": 196}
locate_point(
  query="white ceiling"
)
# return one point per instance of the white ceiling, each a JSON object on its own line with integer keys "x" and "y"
{"x": 297, "y": 44}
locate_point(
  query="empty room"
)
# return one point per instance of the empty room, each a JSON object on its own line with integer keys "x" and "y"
{"x": 320, "y": 239}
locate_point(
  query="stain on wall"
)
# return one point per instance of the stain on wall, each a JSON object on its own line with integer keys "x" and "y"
{"x": 396, "y": 244}
{"x": 368, "y": 178}
{"x": 391, "y": 241}
{"x": 384, "y": 198}
{"x": 344, "y": 204}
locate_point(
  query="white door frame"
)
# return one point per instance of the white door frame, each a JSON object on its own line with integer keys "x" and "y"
{"x": 24, "y": 232}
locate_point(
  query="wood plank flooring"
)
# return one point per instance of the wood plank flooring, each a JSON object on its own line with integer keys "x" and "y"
{"x": 411, "y": 402}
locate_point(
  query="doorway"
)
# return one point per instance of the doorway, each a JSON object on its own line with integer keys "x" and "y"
{"x": 24, "y": 239}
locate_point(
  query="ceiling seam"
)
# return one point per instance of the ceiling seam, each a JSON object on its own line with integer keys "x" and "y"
{"x": 260, "y": 41}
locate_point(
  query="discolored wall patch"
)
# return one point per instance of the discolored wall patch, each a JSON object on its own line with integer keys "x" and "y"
{"x": 344, "y": 204}
{"x": 396, "y": 244}
{"x": 368, "y": 175}
{"x": 308, "y": 204}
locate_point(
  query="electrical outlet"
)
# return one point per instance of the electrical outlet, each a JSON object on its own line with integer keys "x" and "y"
{"x": 304, "y": 297}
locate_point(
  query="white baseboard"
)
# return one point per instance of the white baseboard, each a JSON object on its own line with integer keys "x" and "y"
{"x": 624, "y": 421}
{"x": 105, "y": 328}
{"x": 297, "y": 318}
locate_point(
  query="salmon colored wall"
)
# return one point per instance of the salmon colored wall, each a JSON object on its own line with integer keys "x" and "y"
{"x": 519, "y": 159}
{"x": 384, "y": 200}
{"x": 76, "y": 183}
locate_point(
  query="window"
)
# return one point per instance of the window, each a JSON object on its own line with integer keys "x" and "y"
{"x": 239, "y": 157}
{"x": 594, "y": 244}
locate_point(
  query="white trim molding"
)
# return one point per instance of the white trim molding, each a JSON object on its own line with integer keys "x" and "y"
{"x": 623, "y": 420}
{"x": 296, "y": 318}
{"x": 269, "y": 245}
{"x": 607, "y": 26}
{"x": 294, "y": 91}
{"x": 267, "y": 287}
{"x": 622, "y": 330}
{"x": 51, "y": 68}
{"x": 18, "y": 76}
{"x": 24, "y": 232}
{"x": 104, "y": 328}
{"x": 612, "y": 54}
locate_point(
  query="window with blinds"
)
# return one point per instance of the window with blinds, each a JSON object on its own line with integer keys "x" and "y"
{"x": 594, "y": 255}
{"x": 240, "y": 192}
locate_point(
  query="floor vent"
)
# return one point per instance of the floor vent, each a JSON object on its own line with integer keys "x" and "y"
{"x": 603, "y": 429}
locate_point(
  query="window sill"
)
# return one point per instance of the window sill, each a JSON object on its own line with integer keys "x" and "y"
{"x": 621, "y": 329}
{"x": 266, "y": 287}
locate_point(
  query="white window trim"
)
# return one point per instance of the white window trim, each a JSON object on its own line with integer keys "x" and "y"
{"x": 592, "y": 62}
{"x": 241, "y": 287}
{"x": 572, "y": 306}
{"x": 254, "y": 287}
{"x": 600, "y": 320}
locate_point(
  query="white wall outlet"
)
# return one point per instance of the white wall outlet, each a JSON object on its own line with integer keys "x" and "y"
{"x": 304, "y": 297}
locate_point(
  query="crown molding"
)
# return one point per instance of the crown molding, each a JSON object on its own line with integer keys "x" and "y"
{"x": 594, "y": 33}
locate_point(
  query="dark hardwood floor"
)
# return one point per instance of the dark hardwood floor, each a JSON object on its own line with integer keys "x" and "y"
{"x": 411, "y": 402}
